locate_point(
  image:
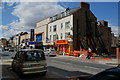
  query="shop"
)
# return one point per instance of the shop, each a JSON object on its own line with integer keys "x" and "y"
{"x": 63, "y": 45}
{"x": 49, "y": 46}
{"x": 36, "y": 45}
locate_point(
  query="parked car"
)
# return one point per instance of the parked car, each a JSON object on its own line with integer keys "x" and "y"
{"x": 108, "y": 74}
{"x": 6, "y": 48}
{"x": 29, "y": 61}
{"x": 1, "y": 49}
{"x": 50, "y": 52}
{"x": 11, "y": 50}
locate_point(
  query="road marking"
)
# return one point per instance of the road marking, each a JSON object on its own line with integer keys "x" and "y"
{"x": 91, "y": 67}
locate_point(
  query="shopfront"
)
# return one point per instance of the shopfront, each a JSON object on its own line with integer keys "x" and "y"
{"x": 62, "y": 45}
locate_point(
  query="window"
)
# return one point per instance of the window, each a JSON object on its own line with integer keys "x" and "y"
{"x": 18, "y": 55}
{"x": 39, "y": 37}
{"x": 34, "y": 56}
{"x": 67, "y": 25}
{"x": 61, "y": 36}
{"x": 62, "y": 14}
{"x": 67, "y": 34}
{"x": 54, "y": 37}
{"x": 50, "y": 28}
{"x": 54, "y": 28}
{"x": 67, "y": 12}
{"x": 61, "y": 25}
{"x": 54, "y": 17}
{"x": 51, "y": 19}
{"x": 58, "y": 16}
{"x": 50, "y": 37}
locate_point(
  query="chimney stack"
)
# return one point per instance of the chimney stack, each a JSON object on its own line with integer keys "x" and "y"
{"x": 85, "y": 5}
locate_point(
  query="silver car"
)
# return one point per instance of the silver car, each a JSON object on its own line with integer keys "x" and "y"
{"x": 50, "y": 52}
{"x": 28, "y": 61}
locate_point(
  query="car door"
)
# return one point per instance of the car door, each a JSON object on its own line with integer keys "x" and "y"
{"x": 17, "y": 60}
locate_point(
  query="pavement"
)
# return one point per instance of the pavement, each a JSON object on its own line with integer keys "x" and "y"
{"x": 98, "y": 60}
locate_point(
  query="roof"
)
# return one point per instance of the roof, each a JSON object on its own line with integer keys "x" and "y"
{"x": 72, "y": 10}
{"x": 64, "y": 14}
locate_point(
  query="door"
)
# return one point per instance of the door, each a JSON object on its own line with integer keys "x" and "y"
{"x": 17, "y": 61}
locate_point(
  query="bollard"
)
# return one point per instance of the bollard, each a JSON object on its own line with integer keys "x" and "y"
{"x": 118, "y": 55}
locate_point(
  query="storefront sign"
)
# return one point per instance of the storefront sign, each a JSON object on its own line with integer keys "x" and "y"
{"x": 59, "y": 42}
{"x": 35, "y": 43}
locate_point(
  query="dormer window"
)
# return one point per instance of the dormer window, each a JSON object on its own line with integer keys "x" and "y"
{"x": 67, "y": 12}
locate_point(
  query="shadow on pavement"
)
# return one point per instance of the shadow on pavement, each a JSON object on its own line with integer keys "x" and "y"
{"x": 66, "y": 72}
{"x": 53, "y": 73}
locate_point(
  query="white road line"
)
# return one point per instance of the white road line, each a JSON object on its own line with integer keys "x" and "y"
{"x": 91, "y": 67}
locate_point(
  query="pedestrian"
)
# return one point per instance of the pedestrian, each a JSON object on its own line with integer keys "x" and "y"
{"x": 89, "y": 53}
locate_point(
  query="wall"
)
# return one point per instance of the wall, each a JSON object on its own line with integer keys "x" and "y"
{"x": 80, "y": 27}
{"x": 106, "y": 34}
{"x": 59, "y": 30}
{"x": 42, "y": 29}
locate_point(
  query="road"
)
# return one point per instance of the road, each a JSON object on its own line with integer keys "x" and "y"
{"x": 58, "y": 68}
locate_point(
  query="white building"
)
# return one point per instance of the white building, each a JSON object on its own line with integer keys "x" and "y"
{"x": 67, "y": 30}
{"x": 15, "y": 40}
{"x": 41, "y": 31}
{"x": 60, "y": 29}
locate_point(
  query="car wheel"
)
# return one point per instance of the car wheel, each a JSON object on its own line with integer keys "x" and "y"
{"x": 21, "y": 75}
{"x": 13, "y": 69}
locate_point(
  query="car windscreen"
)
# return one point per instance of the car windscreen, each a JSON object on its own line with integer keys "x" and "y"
{"x": 35, "y": 56}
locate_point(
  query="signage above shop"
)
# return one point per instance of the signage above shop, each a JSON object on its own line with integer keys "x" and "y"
{"x": 60, "y": 42}
{"x": 35, "y": 43}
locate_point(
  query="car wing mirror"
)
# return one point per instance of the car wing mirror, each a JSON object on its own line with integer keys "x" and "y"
{"x": 12, "y": 57}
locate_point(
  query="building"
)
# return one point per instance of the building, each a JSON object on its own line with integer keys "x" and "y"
{"x": 15, "y": 41}
{"x": 105, "y": 33}
{"x": 3, "y": 43}
{"x": 66, "y": 29}
{"x": 24, "y": 39}
{"x": 40, "y": 31}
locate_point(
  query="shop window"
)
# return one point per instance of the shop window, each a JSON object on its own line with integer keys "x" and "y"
{"x": 67, "y": 25}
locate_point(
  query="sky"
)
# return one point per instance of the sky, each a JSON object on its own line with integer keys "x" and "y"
{"x": 17, "y": 17}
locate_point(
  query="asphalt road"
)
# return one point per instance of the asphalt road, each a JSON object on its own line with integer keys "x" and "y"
{"x": 58, "y": 68}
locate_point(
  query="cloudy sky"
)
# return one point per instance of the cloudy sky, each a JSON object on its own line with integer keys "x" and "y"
{"x": 22, "y": 16}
